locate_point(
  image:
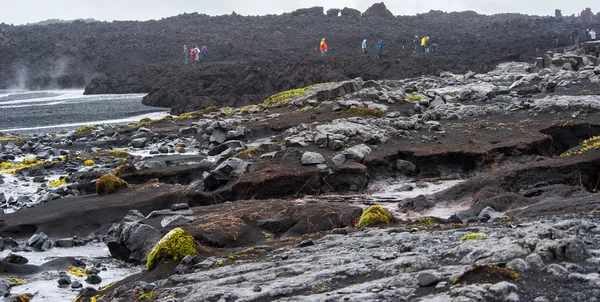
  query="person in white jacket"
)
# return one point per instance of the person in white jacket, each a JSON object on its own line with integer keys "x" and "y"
{"x": 592, "y": 35}
{"x": 364, "y": 46}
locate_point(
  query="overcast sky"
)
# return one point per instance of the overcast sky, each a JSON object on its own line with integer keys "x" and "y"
{"x": 26, "y": 11}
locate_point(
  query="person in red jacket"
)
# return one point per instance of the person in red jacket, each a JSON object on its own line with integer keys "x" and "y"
{"x": 193, "y": 55}
{"x": 323, "y": 47}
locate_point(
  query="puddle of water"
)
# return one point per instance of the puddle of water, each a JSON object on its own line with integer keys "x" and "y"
{"x": 45, "y": 286}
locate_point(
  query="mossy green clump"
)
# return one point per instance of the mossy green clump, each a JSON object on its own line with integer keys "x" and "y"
{"x": 174, "y": 245}
{"x": 109, "y": 183}
{"x": 124, "y": 168}
{"x": 59, "y": 182}
{"x": 415, "y": 97}
{"x": 375, "y": 215}
{"x": 366, "y": 111}
{"x": 426, "y": 222}
{"x": 9, "y": 168}
{"x": 279, "y": 99}
{"x": 89, "y": 163}
{"x": 85, "y": 130}
{"x": 592, "y": 143}
{"x": 473, "y": 236}
{"x": 196, "y": 114}
{"x": 247, "y": 154}
{"x": 149, "y": 295}
{"x": 246, "y": 109}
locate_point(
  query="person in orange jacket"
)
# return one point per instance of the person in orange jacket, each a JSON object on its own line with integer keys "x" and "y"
{"x": 323, "y": 47}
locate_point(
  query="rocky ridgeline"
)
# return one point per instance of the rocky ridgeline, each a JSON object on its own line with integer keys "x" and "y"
{"x": 502, "y": 131}
{"x": 77, "y": 52}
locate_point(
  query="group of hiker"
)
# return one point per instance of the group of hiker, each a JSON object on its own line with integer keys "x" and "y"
{"x": 574, "y": 38}
{"x": 194, "y": 53}
{"x": 421, "y": 45}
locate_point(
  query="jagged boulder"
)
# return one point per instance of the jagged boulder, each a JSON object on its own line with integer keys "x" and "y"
{"x": 378, "y": 10}
{"x": 587, "y": 15}
{"x": 312, "y": 11}
{"x": 130, "y": 241}
{"x": 333, "y": 12}
{"x": 350, "y": 12}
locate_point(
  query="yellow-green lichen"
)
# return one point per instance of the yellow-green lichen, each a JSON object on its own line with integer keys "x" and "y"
{"x": 85, "y": 130}
{"x": 148, "y": 295}
{"x": 77, "y": 271}
{"x": 15, "y": 280}
{"x": 375, "y": 215}
{"x": 415, "y": 97}
{"x": 473, "y": 236}
{"x": 24, "y": 164}
{"x": 592, "y": 143}
{"x": 109, "y": 183}
{"x": 174, "y": 245}
{"x": 279, "y": 99}
{"x": 59, "y": 182}
{"x": 365, "y": 111}
{"x": 5, "y": 165}
{"x": 124, "y": 168}
{"x": 89, "y": 163}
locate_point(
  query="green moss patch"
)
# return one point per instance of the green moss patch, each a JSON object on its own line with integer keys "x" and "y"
{"x": 473, "y": 236}
{"x": 196, "y": 114}
{"x": 175, "y": 245}
{"x": 109, "y": 183}
{"x": 125, "y": 168}
{"x": 280, "y": 98}
{"x": 366, "y": 111}
{"x": 375, "y": 215}
{"x": 85, "y": 130}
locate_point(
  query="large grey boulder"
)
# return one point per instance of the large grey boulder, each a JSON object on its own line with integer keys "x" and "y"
{"x": 139, "y": 142}
{"x": 357, "y": 152}
{"x": 405, "y": 167}
{"x": 40, "y": 242}
{"x": 312, "y": 158}
{"x": 131, "y": 241}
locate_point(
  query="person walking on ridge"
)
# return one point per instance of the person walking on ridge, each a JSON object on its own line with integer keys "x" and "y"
{"x": 204, "y": 51}
{"x": 576, "y": 37}
{"x": 593, "y": 36}
{"x": 193, "y": 55}
{"x": 185, "y": 54}
{"x": 423, "y": 43}
{"x": 379, "y": 48}
{"x": 416, "y": 43}
{"x": 364, "y": 46}
{"x": 323, "y": 47}
{"x": 197, "y": 54}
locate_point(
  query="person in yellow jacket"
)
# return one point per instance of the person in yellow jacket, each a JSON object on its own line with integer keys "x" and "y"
{"x": 323, "y": 47}
{"x": 423, "y": 43}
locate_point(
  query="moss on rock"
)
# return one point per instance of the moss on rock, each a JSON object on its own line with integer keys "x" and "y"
{"x": 473, "y": 236}
{"x": 375, "y": 215}
{"x": 279, "y": 99}
{"x": 89, "y": 163}
{"x": 366, "y": 111}
{"x": 85, "y": 130}
{"x": 109, "y": 183}
{"x": 175, "y": 245}
{"x": 125, "y": 168}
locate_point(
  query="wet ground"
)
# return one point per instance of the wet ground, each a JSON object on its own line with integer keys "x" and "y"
{"x": 30, "y": 112}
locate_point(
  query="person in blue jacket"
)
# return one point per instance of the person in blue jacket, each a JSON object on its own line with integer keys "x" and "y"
{"x": 379, "y": 47}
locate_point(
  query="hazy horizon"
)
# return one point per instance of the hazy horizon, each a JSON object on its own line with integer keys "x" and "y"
{"x": 22, "y": 12}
